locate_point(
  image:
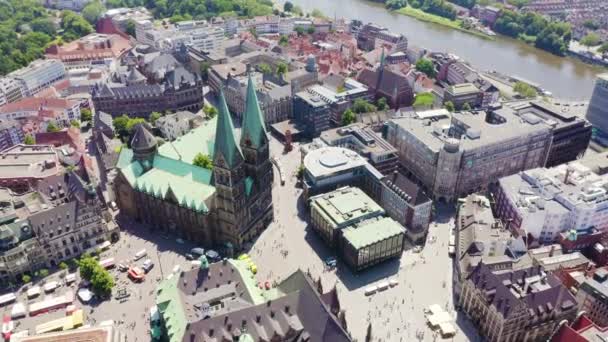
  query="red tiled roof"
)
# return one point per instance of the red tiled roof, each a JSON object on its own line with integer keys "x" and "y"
{"x": 37, "y": 103}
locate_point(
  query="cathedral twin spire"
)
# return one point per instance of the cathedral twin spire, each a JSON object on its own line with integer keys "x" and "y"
{"x": 253, "y": 131}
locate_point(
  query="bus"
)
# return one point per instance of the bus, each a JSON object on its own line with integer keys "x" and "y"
{"x": 7, "y": 299}
{"x": 51, "y": 303}
{"x": 107, "y": 263}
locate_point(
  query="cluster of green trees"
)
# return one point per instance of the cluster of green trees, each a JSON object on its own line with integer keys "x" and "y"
{"x": 548, "y": 35}
{"x": 362, "y": 106}
{"x": 124, "y": 126}
{"x": 395, "y": 4}
{"x": 441, "y": 8}
{"x": 74, "y": 26}
{"x": 101, "y": 280}
{"x": 525, "y": 90}
{"x": 197, "y": 9}
{"x": 426, "y": 66}
{"x": 209, "y": 111}
{"x": 26, "y": 29}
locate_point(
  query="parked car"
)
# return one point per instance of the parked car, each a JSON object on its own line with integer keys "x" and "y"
{"x": 189, "y": 256}
{"x": 197, "y": 252}
{"x": 212, "y": 256}
{"x": 331, "y": 262}
{"x": 122, "y": 267}
{"x": 147, "y": 265}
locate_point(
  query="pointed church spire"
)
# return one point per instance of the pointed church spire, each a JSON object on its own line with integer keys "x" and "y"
{"x": 254, "y": 131}
{"x": 225, "y": 142}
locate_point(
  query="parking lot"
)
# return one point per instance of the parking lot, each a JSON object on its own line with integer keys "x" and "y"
{"x": 131, "y": 314}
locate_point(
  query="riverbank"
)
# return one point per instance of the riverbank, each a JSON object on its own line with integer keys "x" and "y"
{"x": 435, "y": 19}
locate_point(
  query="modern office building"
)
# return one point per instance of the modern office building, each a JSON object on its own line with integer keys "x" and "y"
{"x": 38, "y": 75}
{"x": 354, "y": 225}
{"x": 10, "y": 91}
{"x": 312, "y": 111}
{"x": 225, "y": 207}
{"x": 333, "y": 211}
{"x": 597, "y": 112}
{"x": 222, "y": 302}
{"x": 457, "y": 154}
{"x": 546, "y": 202}
{"x": 523, "y": 305}
{"x": 368, "y": 143}
{"x": 461, "y": 94}
{"x": 592, "y": 297}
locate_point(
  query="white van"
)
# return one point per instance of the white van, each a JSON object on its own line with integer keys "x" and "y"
{"x": 140, "y": 254}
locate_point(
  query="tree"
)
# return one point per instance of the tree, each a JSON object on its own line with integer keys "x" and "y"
{"x": 205, "y": 71}
{"x": 281, "y": 68}
{"x": 44, "y": 25}
{"x": 155, "y": 116}
{"x": 395, "y": 4}
{"x": 316, "y": 13}
{"x": 44, "y": 272}
{"x": 26, "y": 278}
{"x": 310, "y": 30}
{"x": 300, "y": 171}
{"x": 525, "y": 90}
{"x": 590, "y": 24}
{"x": 63, "y": 266}
{"x": 299, "y": 30}
{"x": 466, "y": 106}
{"x": 74, "y": 26}
{"x": 348, "y": 117}
{"x": 203, "y": 160}
{"x": 283, "y": 40}
{"x": 381, "y": 103}
{"x": 86, "y": 114}
{"x": 449, "y": 105}
{"x": 87, "y": 265}
{"x": 130, "y": 27}
{"x": 102, "y": 282}
{"x": 210, "y": 111}
{"x": 423, "y": 100}
{"x": 591, "y": 39}
{"x": 264, "y": 68}
{"x": 603, "y": 48}
{"x": 93, "y": 11}
{"x": 75, "y": 123}
{"x": 51, "y": 127}
{"x": 288, "y": 6}
{"x": 426, "y": 66}
{"x": 297, "y": 10}
{"x": 29, "y": 140}
{"x": 363, "y": 106}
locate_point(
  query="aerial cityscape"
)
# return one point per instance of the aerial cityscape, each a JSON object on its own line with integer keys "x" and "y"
{"x": 304, "y": 170}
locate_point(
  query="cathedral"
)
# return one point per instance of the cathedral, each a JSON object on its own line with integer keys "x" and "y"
{"x": 227, "y": 206}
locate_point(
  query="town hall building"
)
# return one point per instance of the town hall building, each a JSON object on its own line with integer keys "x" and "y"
{"x": 227, "y": 206}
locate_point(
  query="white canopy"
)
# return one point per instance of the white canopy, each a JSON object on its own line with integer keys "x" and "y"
{"x": 447, "y": 329}
{"x": 85, "y": 295}
{"x": 18, "y": 311}
{"x": 50, "y": 286}
{"x": 33, "y": 291}
{"x": 438, "y": 318}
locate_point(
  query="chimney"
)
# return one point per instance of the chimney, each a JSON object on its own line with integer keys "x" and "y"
{"x": 552, "y": 246}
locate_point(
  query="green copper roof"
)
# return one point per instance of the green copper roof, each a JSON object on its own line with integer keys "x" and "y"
{"x": 225, "y": 142}
{"x": 253, "y": 120}
{"x": 248, "y": 185}
{"x": 372, "y": 232}
{"x": 189, "y": 184}
{"x": 171, "y": 308}
{"x": 124, "y": 158}
{"x": 198, "y": 140}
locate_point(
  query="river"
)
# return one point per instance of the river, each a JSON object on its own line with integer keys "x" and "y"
{"x": 566, "y": 78}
